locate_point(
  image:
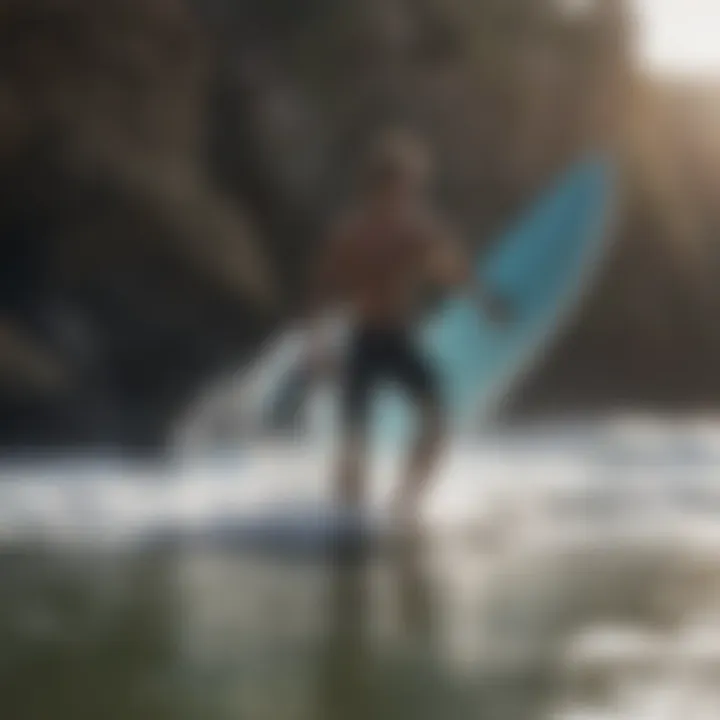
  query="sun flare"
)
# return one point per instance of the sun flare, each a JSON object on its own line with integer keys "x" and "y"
{"x": 680, "y": 37}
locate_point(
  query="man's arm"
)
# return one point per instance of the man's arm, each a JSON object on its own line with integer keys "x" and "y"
{"x": 323, "y": 279}
{"x": 323, "y": 294}
{"x": 453, "y": 267}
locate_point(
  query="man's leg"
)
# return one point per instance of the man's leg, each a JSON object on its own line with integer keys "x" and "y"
{"x": 353, "y": 451}
{"x": 350, "y": 485}
{"x": 416, "y": 375}
{"x": 422, "y": 463}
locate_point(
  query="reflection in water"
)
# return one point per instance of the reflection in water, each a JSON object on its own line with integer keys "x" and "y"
{"x": 433, "y": 632}
{"x": 83, "y": 639}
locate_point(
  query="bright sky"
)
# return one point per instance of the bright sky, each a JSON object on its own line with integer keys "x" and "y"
{"x": 680, "y": 36}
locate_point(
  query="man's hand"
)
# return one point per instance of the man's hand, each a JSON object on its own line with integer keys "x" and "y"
{"x": 495, "y": 307}
{"x": 321, "y": 360}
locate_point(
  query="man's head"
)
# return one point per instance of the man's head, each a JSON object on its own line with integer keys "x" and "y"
{"x": 398, "y": 167}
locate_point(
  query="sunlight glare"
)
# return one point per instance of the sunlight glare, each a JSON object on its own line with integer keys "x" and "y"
{"x": 680, "y": 37}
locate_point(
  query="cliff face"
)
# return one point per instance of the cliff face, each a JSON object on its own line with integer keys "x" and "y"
{"x": 167, "y": 165}
{"x": 119, "y": 258}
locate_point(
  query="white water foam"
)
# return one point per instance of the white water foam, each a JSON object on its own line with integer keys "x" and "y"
{"x": 622, "y": 479}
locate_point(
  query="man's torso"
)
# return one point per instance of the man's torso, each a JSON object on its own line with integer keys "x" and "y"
{"x": 383, "y": 266}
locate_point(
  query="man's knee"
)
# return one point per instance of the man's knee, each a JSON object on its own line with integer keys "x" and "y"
{"x": 432, "y": 421}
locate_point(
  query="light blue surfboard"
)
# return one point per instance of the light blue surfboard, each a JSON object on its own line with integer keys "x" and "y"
{"x": 540, "y": 267}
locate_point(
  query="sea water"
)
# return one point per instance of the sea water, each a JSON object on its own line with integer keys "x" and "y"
{"x": 583, "y": 585}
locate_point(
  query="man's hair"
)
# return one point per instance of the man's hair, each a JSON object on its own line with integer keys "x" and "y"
{"x": 395, "y": 155}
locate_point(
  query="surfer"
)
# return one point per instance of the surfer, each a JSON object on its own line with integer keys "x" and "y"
{"x": 381, "y": 257}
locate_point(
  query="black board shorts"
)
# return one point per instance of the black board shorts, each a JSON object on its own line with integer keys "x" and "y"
{"x": 383, "y": 355}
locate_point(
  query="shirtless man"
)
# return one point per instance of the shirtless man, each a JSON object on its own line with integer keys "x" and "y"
{"x": 380, "y": 259}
